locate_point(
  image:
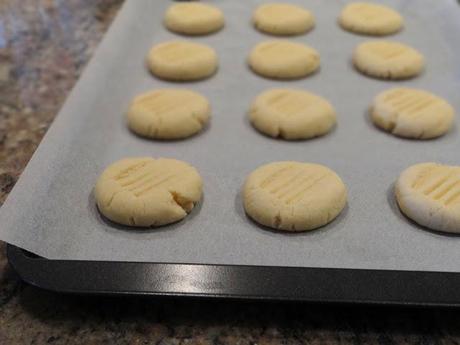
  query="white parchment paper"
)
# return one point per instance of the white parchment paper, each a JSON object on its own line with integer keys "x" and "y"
{"x": 52, "y": 213}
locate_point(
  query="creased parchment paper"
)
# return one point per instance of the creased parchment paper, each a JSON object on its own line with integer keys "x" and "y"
{"x": 52, "y": 213}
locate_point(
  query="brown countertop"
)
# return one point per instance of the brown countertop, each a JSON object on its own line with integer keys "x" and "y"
{"x": 44, "y": 45}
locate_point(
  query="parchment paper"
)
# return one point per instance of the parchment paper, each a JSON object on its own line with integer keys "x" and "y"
{"x": 52, "y": 213}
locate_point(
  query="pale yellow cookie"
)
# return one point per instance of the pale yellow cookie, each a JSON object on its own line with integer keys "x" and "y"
{"x": 370, "y": 19}
{"x": 148, "y": 192}
{"x": 283, "y": 19}
{"x": 412, "y": 113}
{"x": 294, "y": 196}
{"x": 292, "y": 114}
{"x": 429, "y": 194}
{"x": 168, "y": 113}
{"x": 283, "y": 59}
{"x": 182, "y": 60}
{"x": 388, "y": 60}
{"x": 193, "y": 18}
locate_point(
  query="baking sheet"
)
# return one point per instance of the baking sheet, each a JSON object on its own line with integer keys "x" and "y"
{"x": 52, "y": 213}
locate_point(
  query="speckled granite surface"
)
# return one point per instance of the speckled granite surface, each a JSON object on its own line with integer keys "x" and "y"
{"x": 44, "y": 44}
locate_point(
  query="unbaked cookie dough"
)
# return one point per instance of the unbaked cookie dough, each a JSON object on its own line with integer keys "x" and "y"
{"x": 283, "y": 59}
{"x": 292, "y": 114}
{"x": 412, "y": 113}
{"x": 283, "y": 19}
{"x": 429, "y": 194}
{"x": 147, "y": 192}
{"x": 388, "y": 60}
{"x": 182, "y": 60}
{"x": 370, "y": 19}
{"x": 193, "y": 18}
{"x": 294, "y": 196}
{"x": 168, "y": 114}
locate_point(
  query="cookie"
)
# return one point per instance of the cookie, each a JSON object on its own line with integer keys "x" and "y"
{"x": 294, "y": 196}
{"x": 283, "y": 59}
{"x": 182, "y": 60}
{"x": 370, "y": 19}
{"x": 147, "y": 192}
{"x": 283, "y": 19}
{"x": 168, "y": 114}
{"x": 193, "y": 18}
{"x": 291, "y": 114}
{"x": 429, "y": 194}
{"x": 412, "y": 113}
{"x": 388, "y": 60}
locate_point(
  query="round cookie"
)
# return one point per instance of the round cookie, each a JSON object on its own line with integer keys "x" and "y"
{"x": 412, "y": 113}
{"x": 294, "y": 196}
{"x": 370, "y": 19}
{"x": 283, "y": 59}
{"x": 388, "y": 60}
{"x": 291, "y": 114}
{"x": 182, "y": 60}
{"x": 193, "y": 18}
{"x": 283, "y": 19}
{"x": 147, "y": 192}
{"x": 429, "y": 194}
{"x": 168, "y": 114}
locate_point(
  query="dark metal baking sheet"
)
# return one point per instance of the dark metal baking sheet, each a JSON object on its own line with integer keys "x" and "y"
{"x": 59, "y": 220}
{"x": 239, "y": 282}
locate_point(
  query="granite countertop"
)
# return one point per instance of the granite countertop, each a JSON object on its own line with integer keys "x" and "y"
{"x": 44, "y": 45}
